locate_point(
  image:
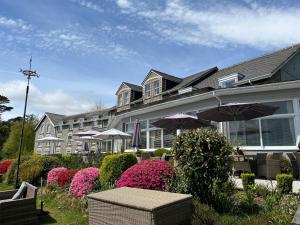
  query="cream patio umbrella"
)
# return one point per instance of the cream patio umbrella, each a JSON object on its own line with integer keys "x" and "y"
{"x": 112, "y": 134}
{"x": 52, "y": 139}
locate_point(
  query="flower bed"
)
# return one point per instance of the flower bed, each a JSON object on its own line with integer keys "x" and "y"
{"x": 148, "y": 174}
{"x": 83, "y": 182}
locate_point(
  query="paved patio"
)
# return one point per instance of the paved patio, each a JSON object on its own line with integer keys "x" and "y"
{"x": 268, "y": 183}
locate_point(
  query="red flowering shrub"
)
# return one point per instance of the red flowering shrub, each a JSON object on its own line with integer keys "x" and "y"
{"x": 65, "y": 177}
{"x": 148, "y": 174}
{"x": 4, "y": 165}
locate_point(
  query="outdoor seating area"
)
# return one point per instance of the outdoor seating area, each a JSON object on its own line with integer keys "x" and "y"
{"x": 267, "y": 165}
{"x": 19, "y": 206}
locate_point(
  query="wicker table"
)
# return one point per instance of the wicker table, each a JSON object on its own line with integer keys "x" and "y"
{"x": 132, "y": 206}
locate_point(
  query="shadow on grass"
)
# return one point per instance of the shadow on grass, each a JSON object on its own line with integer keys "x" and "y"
{"x": 47, "y": 219}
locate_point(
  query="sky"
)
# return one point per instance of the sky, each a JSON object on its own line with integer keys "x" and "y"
{"x": 84, "y": 49}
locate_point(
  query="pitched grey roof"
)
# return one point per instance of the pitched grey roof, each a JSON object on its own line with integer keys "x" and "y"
{"x": 87, "y": 114}
{"x": 164, "y": 75}
{"x": 262, "y": 66}
{"x": 193, "y": 79}
{"x": 134, "y": 87}
{"x": 55, "y": 118}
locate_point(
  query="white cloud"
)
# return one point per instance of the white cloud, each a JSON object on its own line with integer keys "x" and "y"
{"x": 39, "y": 101}
{"x": 124, "y": 4}
{"x": 89, "y": 5}
{"x": 14, "y": 23}
{"x": 250, "y": 24}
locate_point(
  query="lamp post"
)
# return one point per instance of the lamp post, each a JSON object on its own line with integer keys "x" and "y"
{"x": 28, "y": 74}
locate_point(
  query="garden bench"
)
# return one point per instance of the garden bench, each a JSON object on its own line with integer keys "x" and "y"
{"x": 20, "y": 211}
{"x": 132, "y": 206}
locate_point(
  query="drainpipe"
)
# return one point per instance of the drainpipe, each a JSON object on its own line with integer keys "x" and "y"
{"x": 217, "y": 97}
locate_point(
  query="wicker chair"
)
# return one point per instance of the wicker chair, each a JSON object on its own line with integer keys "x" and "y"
{"x": 273, "y": 165}
{"x": 241, "y": 164}
{"x": 261, "y": 161}
{"x": 145, "y": 156}
{"x": 21, "y": 211}
{"x": 295, "y": 166}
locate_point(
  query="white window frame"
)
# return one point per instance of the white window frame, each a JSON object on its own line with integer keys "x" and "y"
{"x": 125, "y": 99}
{"x": 120, "y": 99}
{"x": 222, "y": 80}
{"x": 156, "y": 90}
{"x": 147, "y": 92}
{"x": 48, "y": 128}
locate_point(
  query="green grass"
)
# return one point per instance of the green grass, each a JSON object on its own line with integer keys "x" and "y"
{"x": 62, "y": 209}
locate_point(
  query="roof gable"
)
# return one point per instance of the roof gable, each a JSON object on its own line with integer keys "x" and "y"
{"x": 53, "y": 118}
{"x": 164, "y": 75}
{"x": 133, "y": 87}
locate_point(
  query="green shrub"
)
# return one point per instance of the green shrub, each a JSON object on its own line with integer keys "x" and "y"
{"x": 113, "y": 166}
{"x": 159, "y": 152}
{"x": 202, "y": 156}
{"x": 248, "y": 204}
{"x": 285, "y": 165}
{"x": 261, "y": 190}
{"x": 284, "y": 183}
{"x": 12, "y": 170}
{"x": 36, "y": 167}
{"x": 248, "y": 179}
{"x": 203, "y": 214}
{"x": 222, "y": 194}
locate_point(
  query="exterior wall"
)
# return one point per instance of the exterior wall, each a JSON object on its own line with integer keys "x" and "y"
{"x": 150, "y": 80}
{"x": 247, "y": 96}
{"x": 41, "y": 132}
{"x": 71, "y": 143}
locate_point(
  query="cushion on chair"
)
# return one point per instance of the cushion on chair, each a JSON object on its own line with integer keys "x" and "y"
{"x": 20, "y": 193}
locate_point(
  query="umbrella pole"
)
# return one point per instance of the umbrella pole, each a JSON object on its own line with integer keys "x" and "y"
{"x": 112, "y": 146}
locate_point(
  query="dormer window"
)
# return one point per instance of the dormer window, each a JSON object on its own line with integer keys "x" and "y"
{"x": 147, "y": 90}
{"x": 123, "y": 98}
{"x": 229, "y": 81}
{"x": 156, "y": 87}
{"x": 126, "y": 98}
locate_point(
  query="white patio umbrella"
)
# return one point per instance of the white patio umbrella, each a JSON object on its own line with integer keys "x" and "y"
{"x": 87, "y": 133}
{"x": 87, "y": 140}
{"x": 112, "y": 134}
{"x": 51, "y": 139}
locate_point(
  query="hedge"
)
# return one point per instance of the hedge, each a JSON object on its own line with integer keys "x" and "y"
{"x": 284, "y": 183}
{"x": 248, "y": 179}
{"x": 113, "y": 166}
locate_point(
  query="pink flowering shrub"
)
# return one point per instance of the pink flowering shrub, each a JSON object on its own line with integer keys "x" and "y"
{"x": 83, "y": 182}
{"x": 148, "y": 174}
{"x": 52, "y": 178}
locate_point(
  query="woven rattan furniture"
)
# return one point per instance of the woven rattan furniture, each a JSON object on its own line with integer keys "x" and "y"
{"x": 262, "y": 165}
{"x": 132, "y": 206}
{"x": 21, "y": 211}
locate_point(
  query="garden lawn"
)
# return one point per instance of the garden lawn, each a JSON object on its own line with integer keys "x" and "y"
{"x": 62, "y": 209}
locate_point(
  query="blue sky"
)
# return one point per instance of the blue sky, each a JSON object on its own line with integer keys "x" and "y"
{"x": 84, "y": 49}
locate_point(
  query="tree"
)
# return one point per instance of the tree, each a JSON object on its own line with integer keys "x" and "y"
{"x": 3, "y": 108}
{"x": 10, "y": 147}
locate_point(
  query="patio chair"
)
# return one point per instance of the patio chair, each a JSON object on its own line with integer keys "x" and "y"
{"x": 295, "y": 168}
{"x": 273, "y": 165}
{"x": 21, "y": 211}
{"x": 297, "y": 155}
{"x": 241, "y": 164}
{"x": 261, "y": 162}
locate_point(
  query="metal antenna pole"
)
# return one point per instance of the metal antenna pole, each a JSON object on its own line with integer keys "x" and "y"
{"x": 28, "y": 73}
